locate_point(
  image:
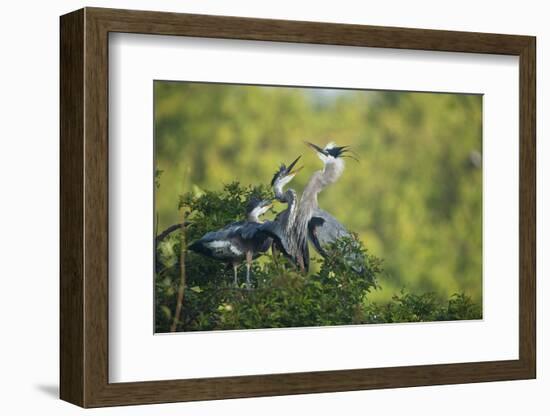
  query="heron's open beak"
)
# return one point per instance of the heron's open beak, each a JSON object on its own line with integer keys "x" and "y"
{"x": 295, "y": 171}
{"x": 317, "y": 148}
{"x": 335, "y": 151}
{"x": 290, "y": 170}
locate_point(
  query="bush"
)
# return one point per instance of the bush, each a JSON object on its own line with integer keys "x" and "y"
{"x": 282, "y": 296}
{"x": 408, "y": 307}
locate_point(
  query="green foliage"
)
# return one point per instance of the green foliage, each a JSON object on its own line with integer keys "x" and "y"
{"x": 408, "y": 307}
{"x": 414, "y": 198}
{"x": 209, "y": 210}
{"x": 158, "y": 174}
{"x": 282, "y": 296}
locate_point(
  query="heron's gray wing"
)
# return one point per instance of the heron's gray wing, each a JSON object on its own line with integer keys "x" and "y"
{"x": 304, "y": 250}
{"x": 252, "y": 237}
{"x": 222, "y": 233}
{"x": 251, "y": 231}
{"x": 219, "y": 244}
{"x": 324, "y": 229}
{"x": 275, "y": 230}
{"x": 312, "y": 226}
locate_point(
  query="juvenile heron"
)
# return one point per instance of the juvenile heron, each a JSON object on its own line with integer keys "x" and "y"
{"x": 282, "y": 227}
{"x": 238, "y": 241}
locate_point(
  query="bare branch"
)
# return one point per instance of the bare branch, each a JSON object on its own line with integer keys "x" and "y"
{"x": 170, "y": 230}
{"x": 181, "y": 288}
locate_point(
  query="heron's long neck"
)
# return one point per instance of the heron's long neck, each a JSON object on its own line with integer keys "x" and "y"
{"x": 294, "y": 227}
{"x": 279, "y": 195}
{"x": 320, "y": 180}
{"x": 252, "y": 217}
{"x": 291, "y": 199}
{"x": 308, "y": 201}
{"x": 332, "y": 171}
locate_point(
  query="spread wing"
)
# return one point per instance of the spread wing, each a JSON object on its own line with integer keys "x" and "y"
{"x": 253, "y": 238}
{"x": 275, "y": 230}
{"x": 221, "y": 244}
{"x": 248, "y": 231}
{"x": 231, "y": 242}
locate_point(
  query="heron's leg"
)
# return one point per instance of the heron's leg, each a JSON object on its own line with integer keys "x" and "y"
{"x": 235, "y": 279}
{"x": 301, "y": 264}
{"x": 275, "y": 253}
{"x": 248, "y": 275}
{"x": 248, "y": 263}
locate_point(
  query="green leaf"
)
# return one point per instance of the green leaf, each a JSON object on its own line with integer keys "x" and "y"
{"x": 167, "y": 312}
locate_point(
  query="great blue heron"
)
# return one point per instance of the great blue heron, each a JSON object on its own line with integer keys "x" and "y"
{"x": 238, "y": 241}
{"x": 322, "y": 228}
{"x": 282, "y": 227}
{"x": 308, "y": 206}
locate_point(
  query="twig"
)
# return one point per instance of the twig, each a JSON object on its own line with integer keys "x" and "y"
{"x": 170, "y": 230}
{"x": 162, "y": 236}
{"x": 157, "y": 224}
{"x": 181, "y": 289}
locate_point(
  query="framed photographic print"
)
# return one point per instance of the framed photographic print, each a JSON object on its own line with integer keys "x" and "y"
{"x": 255, "y": 207}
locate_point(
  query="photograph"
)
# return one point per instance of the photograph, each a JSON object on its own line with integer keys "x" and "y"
{"x": 276, "y": 204}
{"x": 298, "y": 206}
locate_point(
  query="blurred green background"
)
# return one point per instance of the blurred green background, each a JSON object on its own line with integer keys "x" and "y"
{"x": 415, "y": 197}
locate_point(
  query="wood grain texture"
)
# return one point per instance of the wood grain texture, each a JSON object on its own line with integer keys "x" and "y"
{"x": 527, "y": 208}
{"x": 71, "y": 213}
{"x": 96, "y": 208}
{"x": 84, "y": 207}
{"x": 225, "y": 27}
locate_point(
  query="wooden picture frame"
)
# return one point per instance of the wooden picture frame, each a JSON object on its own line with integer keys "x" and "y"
{"x": 84, "y": 207}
